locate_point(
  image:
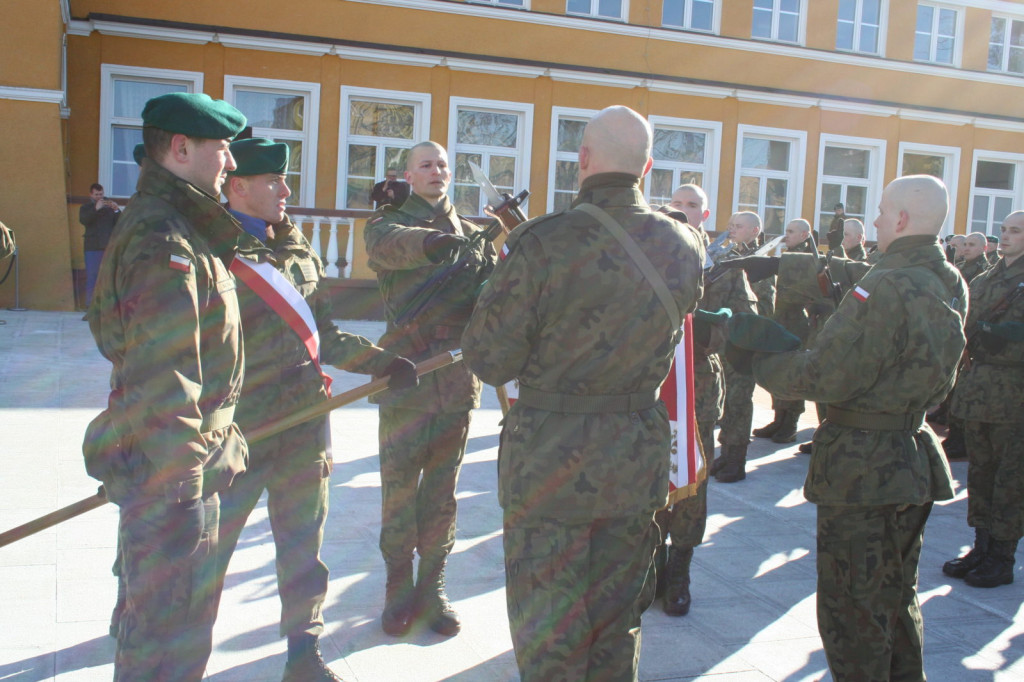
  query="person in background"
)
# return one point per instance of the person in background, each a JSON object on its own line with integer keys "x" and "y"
{"x": 98, "y": 216}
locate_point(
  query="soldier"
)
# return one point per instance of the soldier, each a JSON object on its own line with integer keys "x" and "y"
{"x": 584, "y": 455}
{"x": 281, "y": 378}
{"x": 424, "y": 429}
{"x": 738, "y": 410}
{"x": 853, "y": 239}
{"x": 956, "y": 246}
{"x": 165, "y": 314}
{"x": 991, "y": 249}
{"x": 973, "y": 252}
{"x": 837, "y": 228}
{"x": 988, "y": 397}
{"x": 888, "y": 352}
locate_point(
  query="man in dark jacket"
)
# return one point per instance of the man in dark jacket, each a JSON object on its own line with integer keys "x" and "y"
{"x": 98, "y": 215}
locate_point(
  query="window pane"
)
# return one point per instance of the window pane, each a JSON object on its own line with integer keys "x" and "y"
{"x": 775, "y": 192}
{"x": 125, "y": 170}
{"x": 487, "y": 128}
{"x": 994, "y": 175}
{"x": 847, "y": 10}
{"x": 381, "y": 119}
{"x": 762, "y": 25}
{"x": 845, "y": 162}
{"x": 856, "y": 200}
{"x": 570, "y": 135}
{"x": 463, "y": 173}
{"x": 767, "y": 154}
{"x": 678, "y": 145}
{"x": 792, "y": 6}
{"x": 131, "y": 96}
{"x": 563, "y": 201}
{"x": 924, "y": 18}
{"x": 294, "y": 172}
{"x": 271, "y": 110}
{"x": 467, "y": 199}
{"x": 750, "y": 188}
{"x": 672, "y": 13}
{"x": 869, "y": 11}
{"x": 868, "y": 39}
{"x": 774, "y": 220}
{"x": 1003, "y": 207}
{"x": 944, "y": 51}
{"x": 788, "y": 27}
{"x": 123, "y": 179}
{"x": 702, "y": 14}
{"x": 831, "y": 194}
{"x": 1016, "y": 61}
{"x": 922, "y": 47}
{"x": 661, "y": 186}
{"x": 566, "y": 173}
{"x": 997, "y": 31}
{"x": 357, "y": 193}
{"x": 1017, "y": 33}
{"x": 502, "y": 173}
{"x": 362, "y": 160}
{"x": 980, "y": 208}
{"x": 578, "y": 6}
{"x": 844, "y": 36}
{"x": 610, "y": 8}
{"x": 395, "y": 157}
{"x": 947, "y": 22}
{"x": 995, "y": 57}
{"x": 924, "y": 164}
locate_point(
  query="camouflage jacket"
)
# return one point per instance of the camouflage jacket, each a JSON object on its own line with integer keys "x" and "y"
{"x": 891, "y": 349}
{"x": 165, "y": 313}
{"x": 972, "y": 268}
{"x": 280, "y": 377}
{"x": 568, "y": 312}
{"x": 991, "y": 387}
{"x": 763, "y": 290}
{"x": 394, "y": 243}
{"x": 800, "y": 284}
{"x": 856, "y": 252}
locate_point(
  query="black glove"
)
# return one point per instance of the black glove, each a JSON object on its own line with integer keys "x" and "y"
{"x": 441, "y": 246}
{"x": 401, "y": 373}
{"x": 757, "y": 267}
{"x": 835, "y": 239}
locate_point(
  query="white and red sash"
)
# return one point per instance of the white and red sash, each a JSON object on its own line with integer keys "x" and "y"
{"x": 688, "y": 467}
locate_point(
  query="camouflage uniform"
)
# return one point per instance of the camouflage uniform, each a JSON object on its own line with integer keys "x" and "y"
{"x": 856, "y": 252}
{"x": 570, "y": 315}
{"x": 294, "y": 465}
{"x": 972, "y": 268}
{"x": 988, "y": 397}
{"x": 423, "y": 429}
{"x": 166, "y": 315}
{"x": 888, "y": 352}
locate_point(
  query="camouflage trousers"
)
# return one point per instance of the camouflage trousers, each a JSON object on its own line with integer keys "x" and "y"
{"x": 686, "y": 520}
{"x": 995, "y": 478}
{"x": 869, "y": 618}
{"x": 418, "y": 513}
{"x": 739, "y": 408}
{"x": 297, "y": 485}
{"x": 166, "y": 631}
{"x": 575, "y": 594}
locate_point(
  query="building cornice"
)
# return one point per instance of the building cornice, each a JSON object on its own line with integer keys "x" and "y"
{"x": 31, "y": 94}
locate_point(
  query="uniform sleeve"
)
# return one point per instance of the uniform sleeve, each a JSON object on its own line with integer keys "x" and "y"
{"x": 162, "y": 368}
{"x": 505, "y": 321}
{"x": 393, "y": 246}
{"x": 846, "y": 358}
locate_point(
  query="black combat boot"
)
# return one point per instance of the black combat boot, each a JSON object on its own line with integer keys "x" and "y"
{"x": 735, "y": 467}
{"x": 431, "y": 599}
{"x": 769, "y": 429}
{"x": 961, "y": 566}
{"x": 660, "y": 561}
{"x": 954, "y": 444}
{"x": 676, "y": 601}
{"x": 398, "y": 598}
{"x": 720, "y": 461}
{"x": 305, "y": 663}
{"x": 997, "y": 567}
{"x": 786, "y": 433}
{"x": 806, "y": 448}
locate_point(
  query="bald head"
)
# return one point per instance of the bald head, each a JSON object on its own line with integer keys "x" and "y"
{"x": 974, "y": 246}
{"x": 913, "y": 205}
{"x": 744, "y": 227}
{"x": 617, "y": 140}
{"x": 692, "y": 201}
{"x": 853, "y": 233}
{"x": 796, "y": 231}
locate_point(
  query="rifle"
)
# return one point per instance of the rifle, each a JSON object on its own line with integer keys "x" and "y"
{"x": 348, "y": 397}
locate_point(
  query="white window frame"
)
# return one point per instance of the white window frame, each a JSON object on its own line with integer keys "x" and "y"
{"x": 310, "y": 134}
{"x": 1005, "y": 57}
{"x": 801, "y": 24}
{"x": 558, "y": 113}
{"x": 797, "y": 154}
{"x": 1015, "y": 195}
{"x": 873, "y": 183}
{"x": 958, "y": 37}
{"x": 712, "y": 160}
{"x": 420, "y": 101}
{"x": 883, "y": 23}
{"x": 594, "y": 4}
{"x": 950, "y": 177}
{"x": 502, "y": 3}
{"x": 716, "y": 18}
{"x": 108, "y": 74}
{"x": 524, "y": 140}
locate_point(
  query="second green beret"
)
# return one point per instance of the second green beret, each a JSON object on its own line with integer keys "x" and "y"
{"x": 259, "y": 155}
{"x": 195, "y": 114}
{"x": 754, "y": 332}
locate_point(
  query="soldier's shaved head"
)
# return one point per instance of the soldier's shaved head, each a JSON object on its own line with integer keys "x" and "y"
{"x": 616, "y": 140}
{"x": 974, "y": 245}
{"x": 797, "y": 230}
{"x": 744, "y": 227}
{"x": 911, "y": 205}
{"x": 853, "y": 233}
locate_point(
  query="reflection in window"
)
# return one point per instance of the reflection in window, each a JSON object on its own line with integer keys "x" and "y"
{"x": 680, "y": 157}
{"x": 992, "y": 195}
{"x": 764, "y": 182}
{"x": 567, "y": 166}
{"x": 380, "y": 134}
{"x": 845, "y": 176}
{"x": 776, "y": 20}
{"x": 129, "y": 97}
{"x": 1006, "y": 46}
{"x": 491, "y": 140}
{"x": 935, "y": 34}
{"x": 280, "y": 116}
{"x": 858, "y": 25}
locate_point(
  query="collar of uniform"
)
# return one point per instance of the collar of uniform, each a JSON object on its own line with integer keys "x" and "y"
{"x": 1003, "y": 271}
{"x": 610, "y": 189}
{"x": 287, "y": 237}
{"x": 913, "y": 250}
{"x": 421, "y": 209}
{"x": 252, "y": 226}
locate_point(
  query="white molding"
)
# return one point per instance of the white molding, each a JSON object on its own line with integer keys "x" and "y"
{"x": 31, "y": 94}
{"x": 498, "y": 3}
{"x": 174, "y": 35}
{"x": 781, "y": 100}
{"x": 874, "y": 182}
{"x": 557, "y": 113}
{"x": 65, "y": 11}
{"x": 713, "y": 160}
{"x": 950, "y": 178}
{"x": 303, "y": 47}
{"x": 79, "y": 27}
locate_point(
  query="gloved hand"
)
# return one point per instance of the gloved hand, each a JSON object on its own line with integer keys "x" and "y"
{"x": 177, "y": 526}
{"x": 401, "y": 373}
{"x": 441, "y": 246}
{"x": 994, "y": 336}
{"x": 757, "y": 267}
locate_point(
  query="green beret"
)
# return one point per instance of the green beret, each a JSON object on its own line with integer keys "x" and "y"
{"x": 757, "y": 333}
{"x": 992, "y": 238}
{"x": 139, "y": 153}
{"x": 258, "y": 155}
{"x": 194, "y": 114}
{"x": 719, "y": 316}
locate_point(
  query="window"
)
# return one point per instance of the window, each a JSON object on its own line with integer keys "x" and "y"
{"x": 859, "y": 25}
{"x": 935, "y": 35}
{"x": 851, "y": 171}
{"x": 996, "y": 184}
{"x": 503, "y": 3}
{"x": 684, "y": 151}
{"x": 563, "y": 173}
{"x": 288, "y": 112}
{"x": 605, "y": 9}
{"x": 940, "y": 162}
{"x": 124, "y": 91}
{"x": 377, "y": 129}
{"x": 495, "y": 136}
{"x": 777, "y": 20}
{"x": 697, "y": 15}
{"x": 1006, "y": 46}
{"x": 770, "y": 174}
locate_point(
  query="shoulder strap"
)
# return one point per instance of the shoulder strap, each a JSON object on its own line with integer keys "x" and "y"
{"x": 641, "y": 260}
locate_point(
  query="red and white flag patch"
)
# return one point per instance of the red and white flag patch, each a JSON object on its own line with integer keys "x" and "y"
{"x": 180, "y": 263}
{"x": 860, "y": 294}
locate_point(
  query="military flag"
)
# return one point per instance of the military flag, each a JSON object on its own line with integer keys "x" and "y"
{"x": 688, "y": 467}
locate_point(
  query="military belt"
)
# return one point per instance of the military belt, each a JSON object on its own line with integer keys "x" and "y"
{"x": 218, "y": 419}
{"x": 874, "y": 421}
{"x": 586, "y": 404}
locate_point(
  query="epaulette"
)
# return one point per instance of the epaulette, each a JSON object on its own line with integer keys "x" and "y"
{"x": 525, "y": 227}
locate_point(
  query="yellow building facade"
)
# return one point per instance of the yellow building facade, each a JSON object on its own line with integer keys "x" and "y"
{"x": 783, "y": 107}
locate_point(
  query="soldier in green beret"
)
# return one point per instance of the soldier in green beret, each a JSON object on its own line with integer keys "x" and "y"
{"x": 590, "y": 332}
{"x": 165, "y": 314}
{"x": 282, "y": 378}
{"x": 887, "y": 354}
